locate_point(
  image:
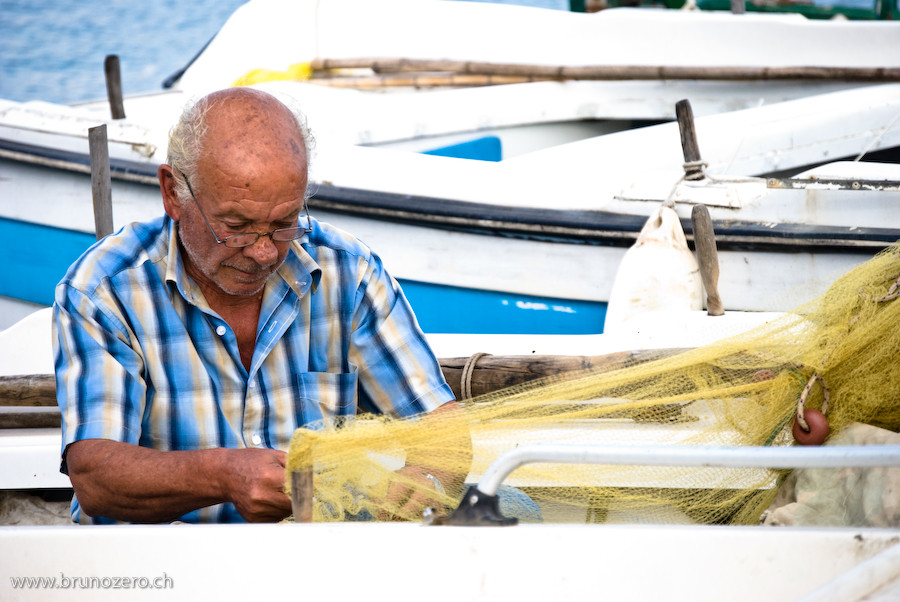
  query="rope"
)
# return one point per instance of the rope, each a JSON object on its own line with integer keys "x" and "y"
{"x": 815, "y": 377}
{"x": 891, "y": 294}
{"x": 877, "y": 138}
{"x": 670, "y": 202}
{"x": 695, "y": 170}
{"x": 465, "y": 380}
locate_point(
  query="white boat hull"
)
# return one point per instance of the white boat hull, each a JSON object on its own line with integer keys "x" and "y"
{"x": 525, "y": 562}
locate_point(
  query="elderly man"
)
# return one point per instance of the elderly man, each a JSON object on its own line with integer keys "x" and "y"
{"x": 188, "y": 349}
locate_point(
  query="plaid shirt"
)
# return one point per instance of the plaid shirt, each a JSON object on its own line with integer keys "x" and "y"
{"x": 141, "y": 358}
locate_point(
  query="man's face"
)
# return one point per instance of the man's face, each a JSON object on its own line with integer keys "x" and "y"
{"x": 260, "y": 199}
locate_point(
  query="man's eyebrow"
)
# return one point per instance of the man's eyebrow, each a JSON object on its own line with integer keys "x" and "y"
{"x": 238, "y": 214}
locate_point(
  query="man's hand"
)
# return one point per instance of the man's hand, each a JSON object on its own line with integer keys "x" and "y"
{"x": 410, "y": 491}
{"x": 409, "y": 494}
{"x": 255, "y": 484}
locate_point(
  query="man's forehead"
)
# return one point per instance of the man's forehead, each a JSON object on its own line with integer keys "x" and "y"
{"x": 244, "y": 209}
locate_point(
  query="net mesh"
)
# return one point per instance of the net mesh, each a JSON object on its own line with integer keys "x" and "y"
{"x": 742, "y": 391}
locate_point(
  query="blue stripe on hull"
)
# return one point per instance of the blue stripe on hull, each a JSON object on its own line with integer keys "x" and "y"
{"x": 39, "y": 255}
{"x": 487, "y": 148}
{"x": 441, "y": 308}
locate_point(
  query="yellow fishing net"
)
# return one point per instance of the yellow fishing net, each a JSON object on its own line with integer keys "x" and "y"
{"x": 743, "y": 391}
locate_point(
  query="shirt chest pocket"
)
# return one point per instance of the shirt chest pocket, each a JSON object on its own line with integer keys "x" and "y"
{"x": 324, "y": 396}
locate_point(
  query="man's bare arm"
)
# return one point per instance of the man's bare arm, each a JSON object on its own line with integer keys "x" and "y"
{"x": 136, "y": 484}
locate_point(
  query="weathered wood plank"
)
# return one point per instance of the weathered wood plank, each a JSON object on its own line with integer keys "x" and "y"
{"x": 28, "y": 390}
{"x": 29, "y": 418}
{"x": 493, "y": 373}
{"x": 101, "y": 185}
{"x": 29, "y": 401}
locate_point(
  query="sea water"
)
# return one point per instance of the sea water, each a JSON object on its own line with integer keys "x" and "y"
{"x": 54, "y": 50}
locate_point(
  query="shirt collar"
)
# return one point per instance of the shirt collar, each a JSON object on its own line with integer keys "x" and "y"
{"x": 175, "y": 272}
{"x": 299, "y": 270}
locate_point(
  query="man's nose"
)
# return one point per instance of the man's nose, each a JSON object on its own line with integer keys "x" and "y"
{"x": 263, "y": 251}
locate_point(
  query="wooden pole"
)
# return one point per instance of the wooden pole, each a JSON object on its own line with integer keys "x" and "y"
{"x": 29, "y": 418}
{"x": 495, "y": 372}
{"x": 490, "y": 373}
{"x": 707, "y": 257}
{"x": 693, "y": 170}
{"x": 302, "y": 480}
{"x": 114, "y": 86}
{"x": 28, "y": 390}
{"x": 101, "y": 186}
{"x": 738, "y": 7}
{"x": 614, "y": 72}
{"x": 302, "y": 495}
{"x": 416, "y": 80}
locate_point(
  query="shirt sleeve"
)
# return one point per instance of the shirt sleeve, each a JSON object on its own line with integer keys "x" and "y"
{"x": 99, "y": 387}
{"x": 398, "y": 371}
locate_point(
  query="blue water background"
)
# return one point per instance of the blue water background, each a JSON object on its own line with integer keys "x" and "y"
{"x": 54, "y": 49}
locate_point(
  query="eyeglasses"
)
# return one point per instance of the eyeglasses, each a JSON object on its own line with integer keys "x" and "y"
{"x": 245, "y": 239}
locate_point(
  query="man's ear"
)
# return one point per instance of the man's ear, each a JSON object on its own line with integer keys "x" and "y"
{"x": 166, "y": 176}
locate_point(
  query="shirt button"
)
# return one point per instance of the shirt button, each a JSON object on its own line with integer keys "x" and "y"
{"x": 256, "y": 439}
{"x": 220, "y": 331}
{"x": 252, "y": 384}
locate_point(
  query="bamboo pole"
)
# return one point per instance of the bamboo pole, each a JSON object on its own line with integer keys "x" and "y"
{"x": 417, "y": 80}
{"x": 614, "y": 72}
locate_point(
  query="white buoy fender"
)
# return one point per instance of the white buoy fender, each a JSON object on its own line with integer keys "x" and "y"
{"x": 659, "y": 272}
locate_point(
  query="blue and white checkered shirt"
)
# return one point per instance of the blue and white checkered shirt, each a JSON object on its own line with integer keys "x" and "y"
{"x": 141, "y": 358}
